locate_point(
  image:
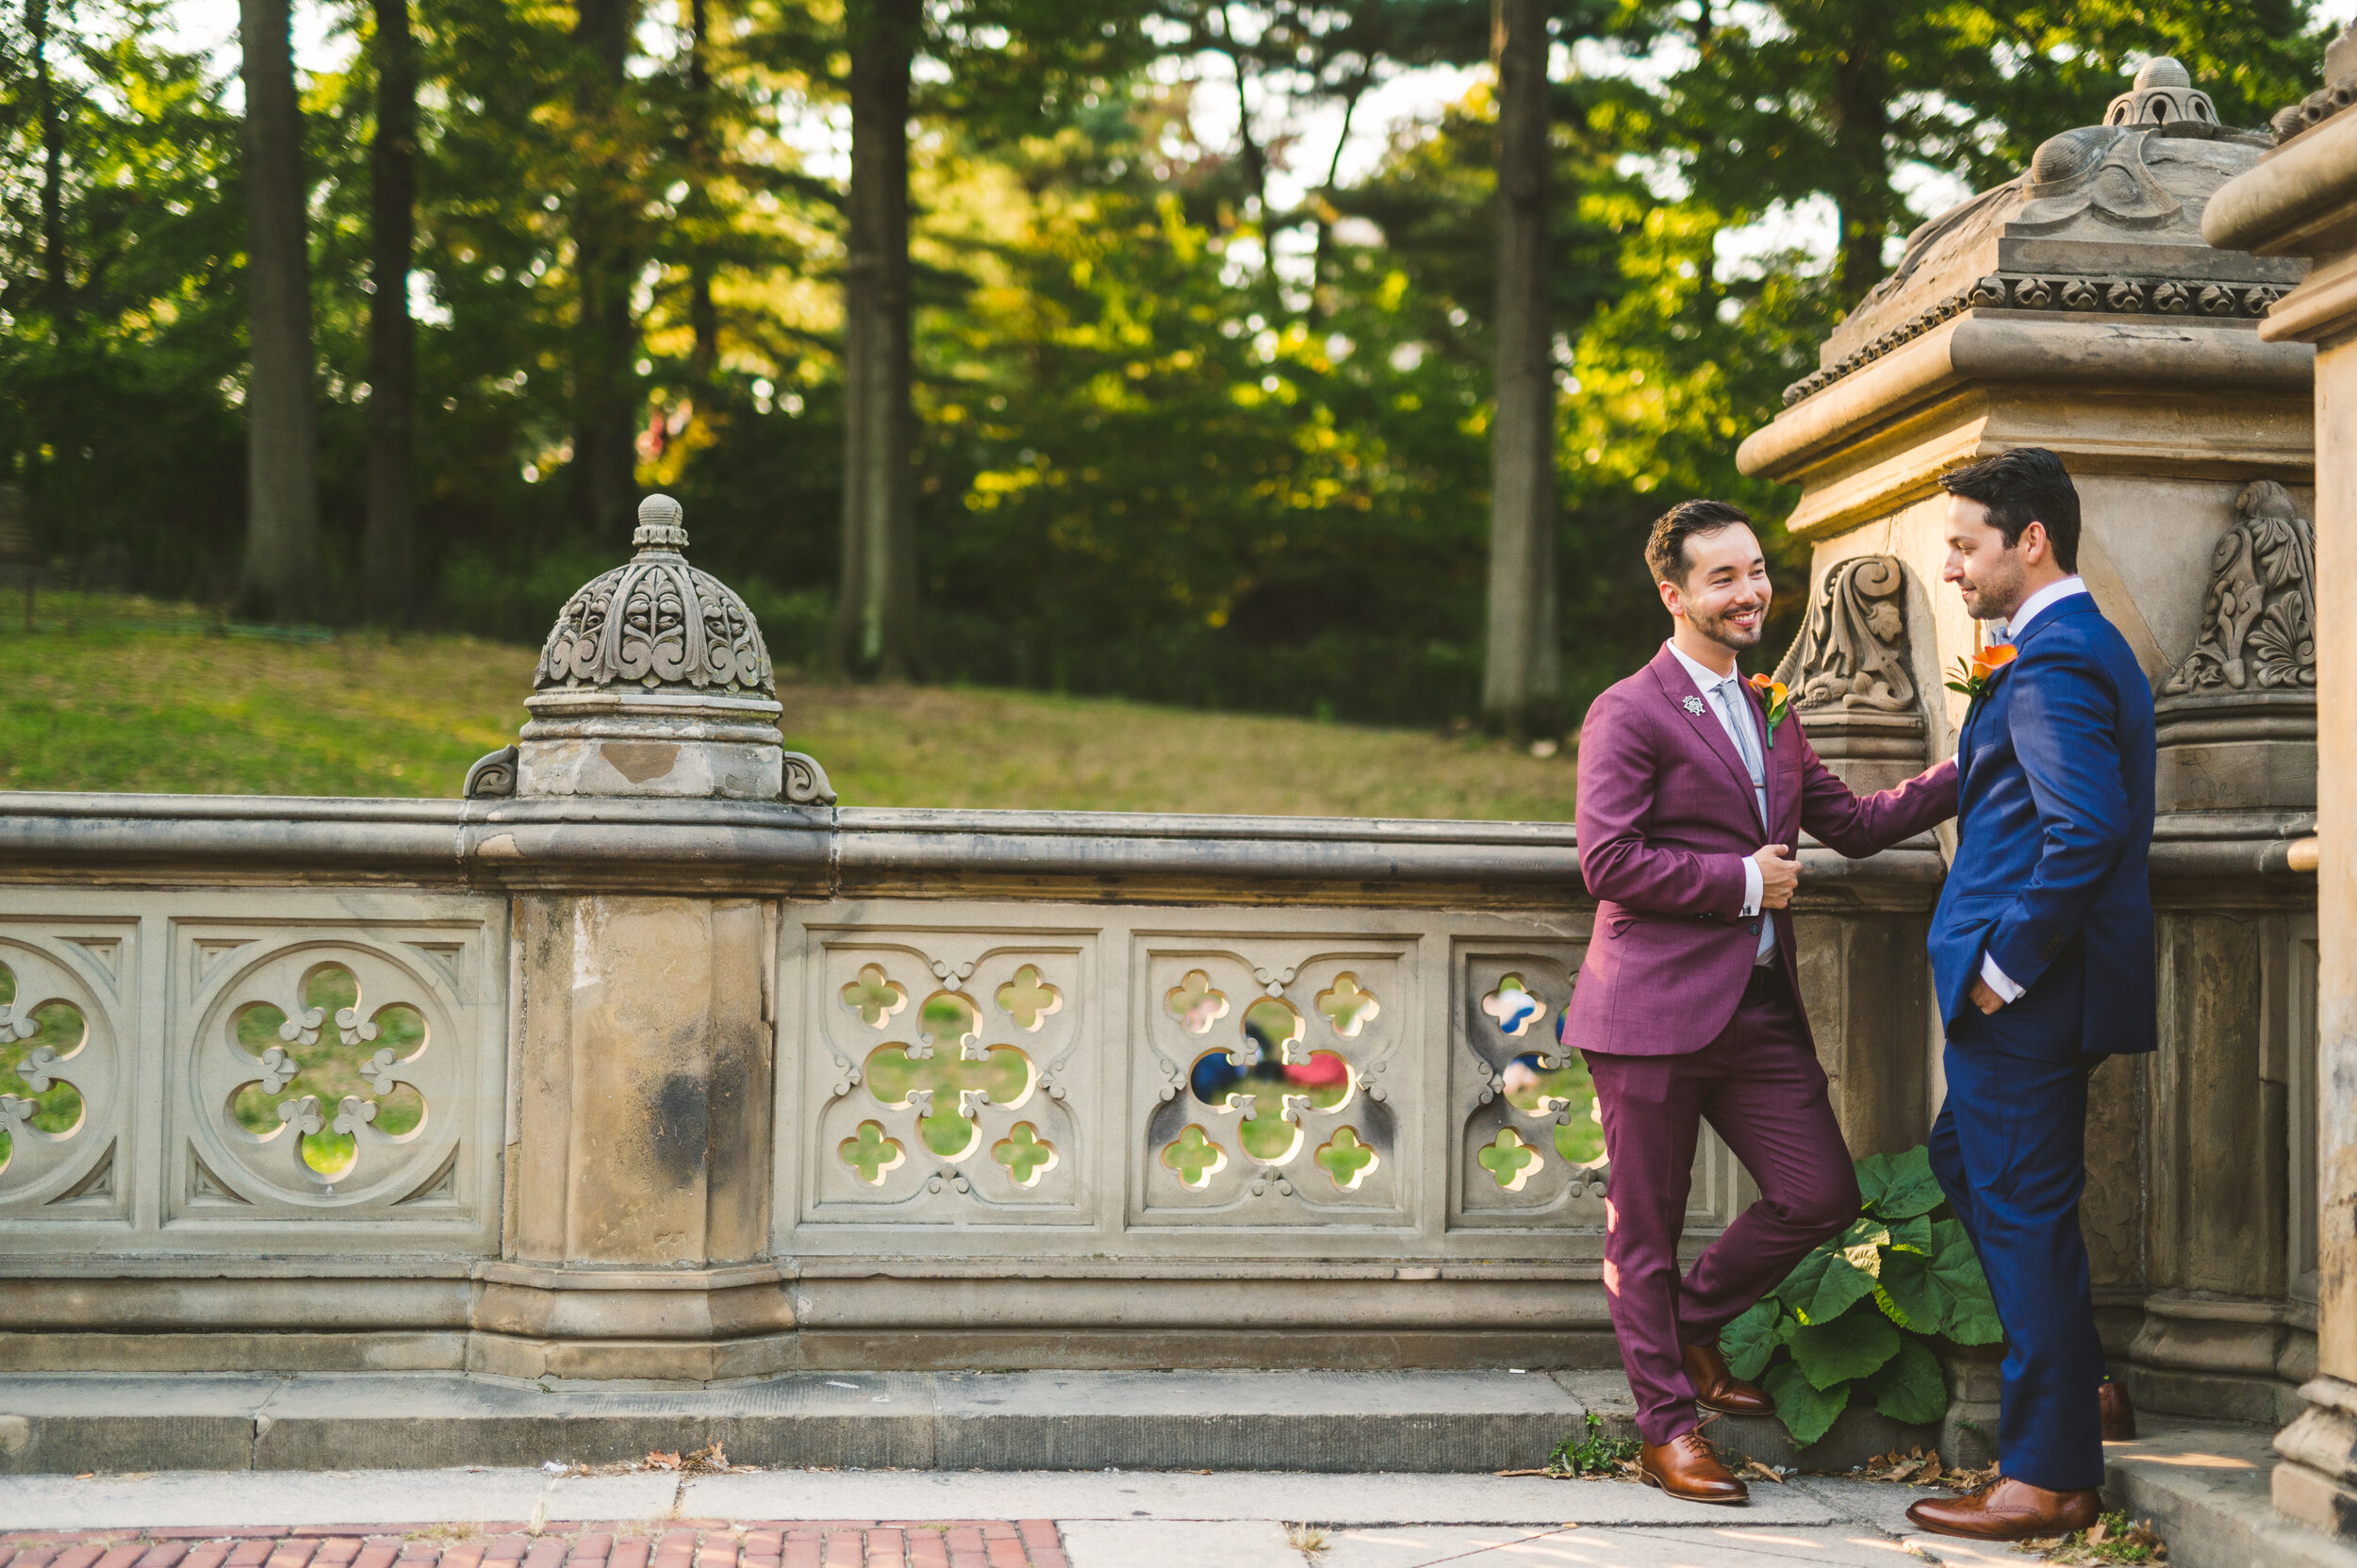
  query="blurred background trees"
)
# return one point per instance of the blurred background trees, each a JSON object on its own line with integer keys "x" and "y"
{"x": 1053, "y": 343}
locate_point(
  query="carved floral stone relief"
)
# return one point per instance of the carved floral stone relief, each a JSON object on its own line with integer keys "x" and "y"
{"x": 1275, "y": 1062}
{"x": 61, "y": 1097}
{"x": 947, "y": 1077}
{"x": 1853, "y": 652}
{"x": 2258, "y": 621}
{"x": 325, "y": 1074}
{"x": 1530, "y": 1141}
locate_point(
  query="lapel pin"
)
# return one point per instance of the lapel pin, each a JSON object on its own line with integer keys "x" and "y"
{"x": 1694, "y": 706}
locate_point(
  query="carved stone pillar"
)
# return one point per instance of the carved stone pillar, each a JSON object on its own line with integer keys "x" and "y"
{"x": 640, "y": 1171}
{"x": 2302, "y": 201}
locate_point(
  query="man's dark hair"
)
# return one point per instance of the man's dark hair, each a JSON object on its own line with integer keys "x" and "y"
{"x": 2025, "y": 486}
{"x": 1665, "y": 550}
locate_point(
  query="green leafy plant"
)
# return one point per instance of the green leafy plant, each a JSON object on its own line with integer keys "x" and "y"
{"x": 1594, "y": 1455}
{"x": 1860, "y": 1314}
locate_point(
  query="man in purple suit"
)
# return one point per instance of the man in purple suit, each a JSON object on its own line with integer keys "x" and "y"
{"x": 1691, "y": 793}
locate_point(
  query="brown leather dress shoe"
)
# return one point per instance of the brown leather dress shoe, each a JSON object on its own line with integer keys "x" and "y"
{"x": 2007, "y": 1510}
{"x": 2119, "y": 1417}
{"x": 1722, "y": 1392}
{"x": 1687, "y": 1469}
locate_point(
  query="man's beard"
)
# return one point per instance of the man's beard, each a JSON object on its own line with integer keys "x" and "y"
{"x": 1723, "y": 631}
{"x": 1995, "y": 600}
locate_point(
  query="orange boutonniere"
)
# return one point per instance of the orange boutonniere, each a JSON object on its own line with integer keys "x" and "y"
{"x": 1772, "y": 692}
{"x": 1974, "y": 674}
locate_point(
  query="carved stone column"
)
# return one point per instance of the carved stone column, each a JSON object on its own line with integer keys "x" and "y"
{"x": 2302, "y": 201}
{"x": 1852, "y": 676}
{"x": 640, "y": 1171}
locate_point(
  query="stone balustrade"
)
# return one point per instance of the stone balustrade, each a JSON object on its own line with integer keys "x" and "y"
{"x": 697, "y": 1087}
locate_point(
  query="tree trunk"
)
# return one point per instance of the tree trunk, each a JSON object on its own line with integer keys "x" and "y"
{"x": 605, "y": 334}
{"x": 280, "y": 578}
{"x": 1321, "y": 202}
{"x": 1861, "y": 122}
{"x": 875, "y": 627}
{"x": 1521, "y": 677}
{"x": 703, "y": 317}
{"x": 56, "y": 287}
{"x": 392, "y": 336}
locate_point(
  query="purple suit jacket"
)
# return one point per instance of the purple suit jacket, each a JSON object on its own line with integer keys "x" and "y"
{"x": 1666, "y": 816}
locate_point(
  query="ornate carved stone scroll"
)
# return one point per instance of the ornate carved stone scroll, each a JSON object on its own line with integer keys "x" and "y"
{"x": 2238, "y": 716}
{"x": 1852, "y": 674}
{"x": 1853, "y": 652}
{"x": 2259, "y": 625}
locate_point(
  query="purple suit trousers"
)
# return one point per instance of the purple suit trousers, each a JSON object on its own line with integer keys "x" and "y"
{"x": 1678, "y": 1028}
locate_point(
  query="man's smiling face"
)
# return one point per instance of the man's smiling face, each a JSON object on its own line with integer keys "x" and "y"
{"x": 1726, "y": 593}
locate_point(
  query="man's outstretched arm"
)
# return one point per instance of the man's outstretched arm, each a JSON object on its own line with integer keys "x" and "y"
{"x": 1861, "y": 825}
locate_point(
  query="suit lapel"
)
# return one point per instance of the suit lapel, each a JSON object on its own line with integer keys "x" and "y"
{"x": 2075, "y": 604}
{"x": 1779, "y": 778}
{"x": 1702, "y": 716}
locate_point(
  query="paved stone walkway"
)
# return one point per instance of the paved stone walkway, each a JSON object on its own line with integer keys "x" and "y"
{"x": 686, "y": 1544}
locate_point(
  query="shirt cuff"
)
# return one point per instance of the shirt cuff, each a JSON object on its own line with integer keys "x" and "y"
{"x": 1752, "y": 886}
{"x": 1995, "y": 979}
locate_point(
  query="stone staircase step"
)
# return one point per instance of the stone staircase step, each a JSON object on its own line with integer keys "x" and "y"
{"x": 1440, "y": 1422}
{"x": 2208, "y": 1488}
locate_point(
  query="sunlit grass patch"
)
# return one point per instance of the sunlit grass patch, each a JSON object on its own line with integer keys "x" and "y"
{"x": 117, "y": 693}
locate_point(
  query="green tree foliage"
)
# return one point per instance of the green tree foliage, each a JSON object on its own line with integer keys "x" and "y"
{"x": 1196, "y": 420}
{"x": 1786, "y": 100}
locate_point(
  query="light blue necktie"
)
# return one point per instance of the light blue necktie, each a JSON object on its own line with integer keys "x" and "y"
{"x": 1746, "y": 743}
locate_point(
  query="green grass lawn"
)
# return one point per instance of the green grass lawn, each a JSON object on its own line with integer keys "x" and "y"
{"x": 125, "y": 694}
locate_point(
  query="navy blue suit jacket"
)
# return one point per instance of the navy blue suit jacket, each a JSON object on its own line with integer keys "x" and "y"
{"x": 2054, "y": 824}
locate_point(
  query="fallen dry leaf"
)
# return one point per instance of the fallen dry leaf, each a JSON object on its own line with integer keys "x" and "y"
{"x": 1753, "y": 1467}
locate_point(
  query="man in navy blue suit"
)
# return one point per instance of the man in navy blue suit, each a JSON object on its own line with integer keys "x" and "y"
{"x": 2042, "y": 956}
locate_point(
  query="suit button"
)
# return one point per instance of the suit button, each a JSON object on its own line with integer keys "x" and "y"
{"x": 1755, "y": 928}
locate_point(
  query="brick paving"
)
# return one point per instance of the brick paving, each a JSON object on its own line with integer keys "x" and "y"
{"x": 682, "y": 1543}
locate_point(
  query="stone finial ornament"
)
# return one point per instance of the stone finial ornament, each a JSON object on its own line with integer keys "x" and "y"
{"x": 656, "y": 621}
{"x": 654, "y": 682}
{"x": 2105, "y": 221}
{"x": 2259, "y": 622}
{"x": 2164, "y": 94}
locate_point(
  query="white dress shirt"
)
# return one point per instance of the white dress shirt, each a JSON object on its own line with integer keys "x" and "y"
{"x": 1728, "y": 699}
{"x": 2010, "y": 630}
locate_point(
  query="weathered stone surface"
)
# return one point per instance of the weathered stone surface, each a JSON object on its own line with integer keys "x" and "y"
{"x": 2218, "y": 1167}
{"x": 645, "y": 1064}
{"x": 1420, "y": 1421}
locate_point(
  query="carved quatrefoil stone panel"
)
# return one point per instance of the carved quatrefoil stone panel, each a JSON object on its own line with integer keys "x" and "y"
{"x": 324, "y": 1076}
{"x": 1269, "y": 1068}
{"x": 61, "y": 1098}
{"x": 1529, "y": 1141}
{"x": 945, "y": 1077}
